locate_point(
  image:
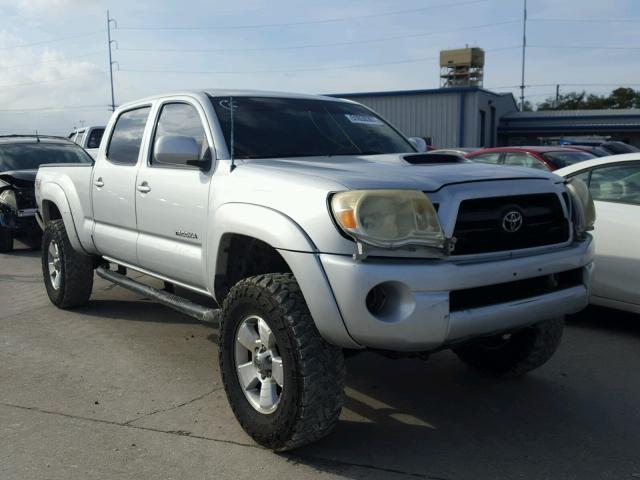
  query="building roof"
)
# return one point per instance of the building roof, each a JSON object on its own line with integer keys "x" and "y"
{"x": 574, "y": 114}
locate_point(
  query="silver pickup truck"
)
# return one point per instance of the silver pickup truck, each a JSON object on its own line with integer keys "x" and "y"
{"x": 318, "y": 228}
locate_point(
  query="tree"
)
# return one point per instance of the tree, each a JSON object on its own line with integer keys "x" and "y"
{"x": 620, "y": 98}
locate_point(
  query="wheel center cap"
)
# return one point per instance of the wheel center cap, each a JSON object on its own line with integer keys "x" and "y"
{"x": 262, "y": 361}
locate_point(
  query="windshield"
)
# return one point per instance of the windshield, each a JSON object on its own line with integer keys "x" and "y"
{"x": 29, "y": 156}
{"x": 564, "y": 159}
{"x": 291, "y": 127}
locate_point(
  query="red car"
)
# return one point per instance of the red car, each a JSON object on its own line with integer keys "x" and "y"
{"x": 543, "y": 158}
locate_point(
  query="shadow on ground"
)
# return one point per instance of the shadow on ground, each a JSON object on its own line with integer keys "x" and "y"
{"x": 572, "y": 418}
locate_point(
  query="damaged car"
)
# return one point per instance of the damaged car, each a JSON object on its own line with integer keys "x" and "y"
{"x": 20, "y": 157}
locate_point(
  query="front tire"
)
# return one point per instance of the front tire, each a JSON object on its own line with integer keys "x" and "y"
{"x": 284, "y": 382}
{"x": 6, "y": 240}
{"x": 514, "y": 354}
{"x": 68, "y": 275}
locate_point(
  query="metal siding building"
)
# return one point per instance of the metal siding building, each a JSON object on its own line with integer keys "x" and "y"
{"x": 451, "y": 117}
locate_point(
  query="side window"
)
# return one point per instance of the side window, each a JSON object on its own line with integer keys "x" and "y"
{"x": 95, "y": 137}
{"x": 124, "y": 145}
{"x": 521, "y": 159}
{"x": 584, "y": 176}
{"x": 616, "y": 183}
{"x": 80, "y": 137}
{"x": 180, "y": 120}
{"x": 486, "y": 157}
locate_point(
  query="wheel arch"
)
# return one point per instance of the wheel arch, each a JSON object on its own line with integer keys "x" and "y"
{"x": 284, "y": 245}
{"x": 55, "y": 206}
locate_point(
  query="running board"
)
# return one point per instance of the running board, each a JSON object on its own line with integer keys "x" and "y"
{"x": 203, "y": 314}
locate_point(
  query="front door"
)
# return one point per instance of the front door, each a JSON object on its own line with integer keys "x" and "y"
{"x": 616, "y": 191}
{"x": 113, "y": 187}
{"x": 172, "y": 199}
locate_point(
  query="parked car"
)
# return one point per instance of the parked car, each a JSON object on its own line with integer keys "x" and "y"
{"x": 457, "y": 151}
{"x": 20, "y": 157}
{"x": 88, "y": 138}
{"x": 609, "y": 147}
{"x": 596, "y": 151}
{"x": 614, "y": 183}
{"x": 307, "y": 221}
{"x": 541, "y": 158}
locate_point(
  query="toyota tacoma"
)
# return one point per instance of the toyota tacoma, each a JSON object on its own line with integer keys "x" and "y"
{"x": 318, "y": 229}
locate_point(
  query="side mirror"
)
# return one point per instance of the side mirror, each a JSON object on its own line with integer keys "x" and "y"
{"x": 419, "y": 143}
{"x": 177, "y": 149}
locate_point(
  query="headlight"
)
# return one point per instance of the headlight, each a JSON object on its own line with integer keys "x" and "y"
{"x": 8, "y": 197}
{"x": 584, "y": 211}
{"x": 388, "y": 218}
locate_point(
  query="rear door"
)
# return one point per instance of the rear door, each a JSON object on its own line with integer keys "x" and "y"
{"x": 114, "y": 186}
{"x": 172, "y": 198}
{"x": 616, "y": 193}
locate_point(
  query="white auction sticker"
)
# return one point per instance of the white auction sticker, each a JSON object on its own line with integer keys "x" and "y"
{"x": 366, "y": 119}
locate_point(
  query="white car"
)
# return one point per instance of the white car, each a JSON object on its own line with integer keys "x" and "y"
{"x": 614, "y": 183}
{"x": 88, "y": 138}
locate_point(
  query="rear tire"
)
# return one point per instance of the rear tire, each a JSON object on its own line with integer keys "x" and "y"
{"x": 68, "y": 275}
{"x": 6, "y": 240}
{"x": 522, "y": 352}
{"x": 305, "y": 394}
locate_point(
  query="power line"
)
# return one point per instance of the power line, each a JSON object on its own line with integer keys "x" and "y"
{"x": 53, "y": 40}
{"x": 585, "y": 47}
{"x": 586, "y": 20}
{"x": 53, "y": 61}
{"x": 312, "y": 22}
{"x": 62, "y": 79}
{"x": 307, "y": 69}
{"x": 50, "y": 109}
{"x": 315, "y": 45}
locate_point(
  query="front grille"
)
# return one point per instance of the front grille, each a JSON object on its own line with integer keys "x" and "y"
{"x": 480, "y": 226}
{"x": 510, "y": 291}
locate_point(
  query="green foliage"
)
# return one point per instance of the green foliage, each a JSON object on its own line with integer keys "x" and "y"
{"x": 619, "y": 98}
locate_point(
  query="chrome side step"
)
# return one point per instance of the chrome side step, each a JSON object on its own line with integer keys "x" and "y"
{"x": 203, "y": 314}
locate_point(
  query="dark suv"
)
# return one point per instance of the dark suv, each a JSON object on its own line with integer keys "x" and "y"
{"x": 20, "y": 157}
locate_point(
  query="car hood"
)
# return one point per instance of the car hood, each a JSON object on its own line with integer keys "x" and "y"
{"x": 18, "y": 178}
{"x": 391, "y": 171}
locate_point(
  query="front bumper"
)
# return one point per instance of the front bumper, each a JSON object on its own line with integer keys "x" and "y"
{"x": 417, "y": 317}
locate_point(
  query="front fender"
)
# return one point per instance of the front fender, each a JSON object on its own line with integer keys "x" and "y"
{"x": 50, "y": 192}
{"x": 296, "y": 248}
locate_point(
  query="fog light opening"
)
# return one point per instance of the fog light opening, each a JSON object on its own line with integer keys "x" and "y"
{"x": 377, "y": 299}
{"x": 390, "y": 302}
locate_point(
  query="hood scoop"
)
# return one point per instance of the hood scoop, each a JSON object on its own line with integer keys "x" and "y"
{"x": 433, "y": 158}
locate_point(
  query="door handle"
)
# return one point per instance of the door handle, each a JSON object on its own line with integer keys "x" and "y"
{"x": 99, "y": 183}
{"x": 143, "y": 187}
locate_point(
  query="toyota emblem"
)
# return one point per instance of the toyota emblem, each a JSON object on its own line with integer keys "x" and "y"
{"x": 512, "y": 221}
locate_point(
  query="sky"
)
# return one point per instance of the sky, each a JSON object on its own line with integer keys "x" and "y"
{"x": 54, "y": 59}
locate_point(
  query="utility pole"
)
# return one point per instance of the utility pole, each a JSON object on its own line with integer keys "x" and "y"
{"x": 111, "y": 62}
{"x": 557, "y": 95}
{"x": 524, "y": 51}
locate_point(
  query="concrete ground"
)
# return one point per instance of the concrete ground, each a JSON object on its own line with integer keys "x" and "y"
{"x": 127, "y": 389}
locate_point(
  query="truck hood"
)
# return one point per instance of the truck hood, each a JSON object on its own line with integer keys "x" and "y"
{"x": 391, "y": 171}
{"x": 18, "y": 178}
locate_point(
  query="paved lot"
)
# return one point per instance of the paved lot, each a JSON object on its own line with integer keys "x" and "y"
{"x": 124, "y": 388}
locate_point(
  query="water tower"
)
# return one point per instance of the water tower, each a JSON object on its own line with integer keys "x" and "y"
{"x": 462, "y": 67}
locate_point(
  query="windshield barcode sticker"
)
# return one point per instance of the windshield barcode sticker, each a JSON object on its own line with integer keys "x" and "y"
{"x": 365, "y": 119}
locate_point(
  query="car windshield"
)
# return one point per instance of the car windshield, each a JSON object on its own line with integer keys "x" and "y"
{"x": 29, "y": 156}
{"x": 564, "y": 159}
{"x": 265, "y": 127}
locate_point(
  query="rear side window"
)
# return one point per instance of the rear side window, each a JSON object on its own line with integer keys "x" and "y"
{"x": 95, "y": 137}
{"x": 564, "y": 159}
{"x": 124, "y": 145}
{"x": 180, "y": 119}
{"x": 486, "y": 157}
